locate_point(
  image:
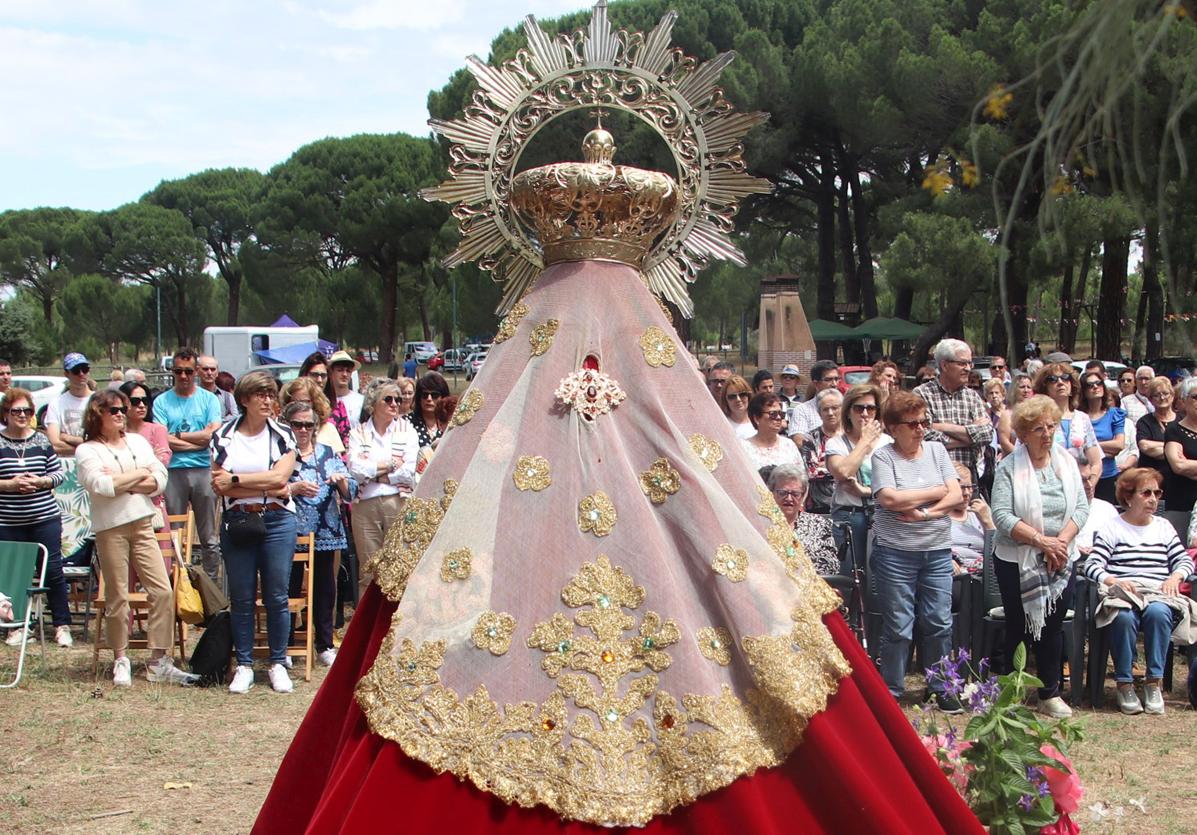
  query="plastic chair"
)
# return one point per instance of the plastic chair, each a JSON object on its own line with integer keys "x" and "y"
{"x": 848, "y": 583}
{"x": 23, "y": 580}
{"x": 303, "y": 640}
{"x": 1099, "y": 648}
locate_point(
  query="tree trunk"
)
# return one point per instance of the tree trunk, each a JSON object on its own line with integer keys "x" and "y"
{"x": 389, "y": 278}
{"x": 425, "y": 325}
{"x": 1082, "y": 291}
{"x": 1110, "y": 302}
{"x": 864, "y": 253}
{"x": 1015, "y": 315}
{"x": 936, "y": 331}
{"x": 1067, "y": 332}
{"x": 903, "y": 302}
{"x": 825, "y": 301}
{"x": 232, "y": 277}
{"x": 1154, "y": 290}
{"x": 847, "y": 254}
{"x": 47, "y": 306}
{"x": 1140, "y": 317}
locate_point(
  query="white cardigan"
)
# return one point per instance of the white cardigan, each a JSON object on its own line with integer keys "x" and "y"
{"x": 109, "y": 510}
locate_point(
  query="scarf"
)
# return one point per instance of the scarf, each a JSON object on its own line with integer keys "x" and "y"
{"x": 1040, "y": 589}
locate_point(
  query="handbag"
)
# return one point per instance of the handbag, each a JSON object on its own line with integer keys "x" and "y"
{"x": 214, "y": 599}
{"x": 244, "y": 528}
{"x": 212, "y": 654}
{"x": 189, "y": 606}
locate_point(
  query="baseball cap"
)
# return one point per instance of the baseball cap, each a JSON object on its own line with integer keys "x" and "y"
{"x": 790, "y": 371}
{"x": 73, "y": 360}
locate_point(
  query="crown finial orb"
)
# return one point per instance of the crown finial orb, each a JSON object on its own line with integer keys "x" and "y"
{"x": 598, "y": 146}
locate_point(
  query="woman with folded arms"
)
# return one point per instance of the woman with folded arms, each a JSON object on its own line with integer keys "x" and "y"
{"x": 253, "y": 457}
{"x": 139, "y": 422}
{"x": 121, "y": 473}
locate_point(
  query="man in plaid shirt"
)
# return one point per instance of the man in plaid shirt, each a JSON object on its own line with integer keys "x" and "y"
{"x": 959, "y": 418}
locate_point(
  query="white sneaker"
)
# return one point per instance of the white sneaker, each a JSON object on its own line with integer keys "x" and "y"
{"x": 164, "y": 670}
{"x": 62, "y": 636}
{"x": 279, "y": 680}
{"x": 1055, "y": 708}
{"x": 327, "y": 657}
{"x": 14, "y": 637}
{"x": 243, "y": 679}
{"x": 287, "y": 662}
{"x": 122, "y": 673}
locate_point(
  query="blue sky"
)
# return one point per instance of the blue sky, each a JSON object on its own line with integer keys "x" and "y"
{"x": 103, "y": 100}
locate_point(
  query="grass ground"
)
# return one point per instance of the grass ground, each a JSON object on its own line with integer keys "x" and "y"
{"x": 83, "y": 757}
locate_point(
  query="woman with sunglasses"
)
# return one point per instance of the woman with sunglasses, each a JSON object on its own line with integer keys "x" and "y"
{"x": 1039, "y": 505}
{"x": 319, "y": 479}
{"x": 121, "y": 473}
{"x": 383, "y": 452}
{"x": 140, "y": 422}
{"x": 1138, "y": 559}
{"x": 429, "y": 390}
{"x": 768, "y": 446}
{"x": 850, "y": 462}
{"x": 1021, "y": 388}
{"x": 733, "y": 400}
{"x": 1180, "y": 448}
{"x": 915, "y": 486}
{"x": 1109, "y": 427}
{"x": 29, "y": 472}
{"x": 308, "y": 390}
{"x": 1075, "y": 434}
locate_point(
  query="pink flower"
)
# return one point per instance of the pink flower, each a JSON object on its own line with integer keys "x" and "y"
{"x": 1077, "y": 442}
{"x": 1064, "y": 783}
{"x": 953, "y": 766}
{"x": 1064, "y": 826}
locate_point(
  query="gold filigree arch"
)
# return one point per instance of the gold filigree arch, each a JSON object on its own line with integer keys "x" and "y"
{"x": 598, "y": 67}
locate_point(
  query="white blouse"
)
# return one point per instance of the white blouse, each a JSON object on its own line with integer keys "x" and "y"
{"x": 368, "y": 449}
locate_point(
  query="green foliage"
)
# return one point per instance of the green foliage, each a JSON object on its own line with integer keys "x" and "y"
{"x": 16, "y": 334}
{"x": 107, "y": 312}
{"x": 38, "y": 248}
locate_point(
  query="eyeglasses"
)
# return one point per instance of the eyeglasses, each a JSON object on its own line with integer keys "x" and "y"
{"x": 80, "y": 369}
{"x": 925, "y": 423}
{"x": 1057, "y": 378}
{"x": 21, "y": 410}
{"x": 775, "y": 415}
{"x": 434, "y": 395}
{"x": 118, "y": 410}
{"x": 209, "y": 368}
{"x": 391, "y": 400}
{"x": 738, "y": 395}
{"x": 964, "y": 486}
{"x": 789, "y": 494}
{"x": 962, "y": 363}
{"x": 318, "y": 375}
{"x": 1145, "y": 379}
{"x": 864, "y": 407}
{"x": 1045, "y": 428}
{"x": 264, "y": 395}
{"x": 306, "y": 425}
{"x": 1160, "y": 395}
{"x": 183, "y": 372}
{"x": 1095, "y": 384}
{"x": 997, "y": 368}
{"x": 1150, "y": 494}
{"x": 138, "y": 401}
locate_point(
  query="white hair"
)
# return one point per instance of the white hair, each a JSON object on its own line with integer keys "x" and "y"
{"x": 947, "y": 349}
{"x": 826, "y": 393}
{"x": 1146, "y": 368}
{"x": 782, "y": 473}
{"x": 1187, "y": 388}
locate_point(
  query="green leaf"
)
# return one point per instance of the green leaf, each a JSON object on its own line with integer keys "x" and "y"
{"x": 1020, "y": 658}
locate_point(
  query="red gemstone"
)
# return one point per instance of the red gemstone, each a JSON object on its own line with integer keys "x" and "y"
{"x": 591, "y": 362}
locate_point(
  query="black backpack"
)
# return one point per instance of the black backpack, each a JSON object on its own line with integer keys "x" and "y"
{"x": 210, "y": 659}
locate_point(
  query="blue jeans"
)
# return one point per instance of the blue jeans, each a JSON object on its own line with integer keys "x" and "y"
{"x": 1155, "y": 622}
{"x": 857, "y": 518}
{"x": 49, "y": 533}
{"x": 912, "y": 584}
{"x": 271, "y": 557}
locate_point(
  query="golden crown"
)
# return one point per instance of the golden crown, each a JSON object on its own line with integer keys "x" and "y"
{"x": 595, "y": 210}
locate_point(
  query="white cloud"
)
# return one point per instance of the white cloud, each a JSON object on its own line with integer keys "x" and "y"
{"x": 397, "y": 14}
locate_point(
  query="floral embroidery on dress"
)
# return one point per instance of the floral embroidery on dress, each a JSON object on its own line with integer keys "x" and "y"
{"x": 541, "y": 338}
{"x": 590, "y": 393}
{"x": 660, "y": 481}
{"x": 708, "y": 451}
{"x": 596, "y": 514}
{"x": 455, "y": 565}
{"x": 467, "y": 407}
{"x": 658, "y": 348}
{"x": 493, "y": 632}
{"x": 731, "y": 562}
{"x": 510, "y": 322}
{"x": 715, "y": 643}
{"x": 532, "y": 473}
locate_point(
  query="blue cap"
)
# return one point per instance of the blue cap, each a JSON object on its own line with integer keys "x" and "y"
{"x": 73, "y": 360}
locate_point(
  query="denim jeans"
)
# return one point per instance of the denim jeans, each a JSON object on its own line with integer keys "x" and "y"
{"x": 1155, "y": 622}
{"x": 271, "y": 557}
{"x": 857, "y": 518}
{"x": 912, "y": 585}
{"x": 49, "y": 533}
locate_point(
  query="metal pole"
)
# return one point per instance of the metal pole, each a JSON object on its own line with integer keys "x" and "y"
{"x": 453, "y": 330}
{"x": 158, "y": 336}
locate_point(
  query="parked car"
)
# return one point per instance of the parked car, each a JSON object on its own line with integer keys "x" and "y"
{"x": 474, "y": 364}
{"x": 1174, "y": 367}
{"x": 421, "y": 351}
{"x": 453, "y": 360}
{"x": 854, "y": 375}
{"x": 436, "y": 363}
{"x": 43, "y": 388}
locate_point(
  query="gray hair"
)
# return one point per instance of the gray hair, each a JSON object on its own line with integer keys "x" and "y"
{"x": 297, "y": 407}
{"x": 379, "y": 389}
{"x": 1187, "y": 388}
{"x": 1146, "y": 368}
{"x": 134, "y": 375}
{"x": 825, "y": 394}
{"x": 787, "y": 472}
{"x": 947, "y": 349}
{"x": 1034, "y": 367}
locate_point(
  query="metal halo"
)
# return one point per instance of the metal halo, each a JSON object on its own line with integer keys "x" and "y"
{"x": 598, "y": 67}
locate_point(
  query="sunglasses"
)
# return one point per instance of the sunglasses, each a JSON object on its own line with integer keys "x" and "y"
{"x": 183, "y": 372}
{"x": 1056, "y": 378}
{"x": 21, "y": 410}
{"x": 997, "y": 368}
{"x": 80, "y": 369}
{"x": 738, "y": 395}
{"x": 391, "y": 400}
{"x": 303, "y": 424}
{"x": 118, "y": 410}
{"x": 1094, "y": 384}
{"x": 318, "y": 375}
{"x": 431, "y": 395}
{"x": 925, "y": 423}
{"x": 1148, "y": 494}
{"x": 864, "y": 407}
{"x": 789, "y": 494}
{"x": 775, "y": 415}
{"x": 138, "y": 401}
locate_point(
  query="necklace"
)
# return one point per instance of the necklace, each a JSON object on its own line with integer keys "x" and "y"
{"x": 112, "y": 451}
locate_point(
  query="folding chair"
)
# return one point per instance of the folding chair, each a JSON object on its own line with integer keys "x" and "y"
{"x": 21, "y": 564}
{"x": 81, "y": 580}
{"x": 303, "y": 640}
{"x": 139, "y": 604}
{"x": 182, "y": 525}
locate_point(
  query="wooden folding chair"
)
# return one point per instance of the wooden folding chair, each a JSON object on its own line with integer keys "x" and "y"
{"x": 182, "y": 525}
{"x": 139, "y": 603}
{"x": 304, "y": 639}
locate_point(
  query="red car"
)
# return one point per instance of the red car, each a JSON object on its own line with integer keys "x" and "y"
{"x": 854, "y": 375}
{"x": 436, "y": 362}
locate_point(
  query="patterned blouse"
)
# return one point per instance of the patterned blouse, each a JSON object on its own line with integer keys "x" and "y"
{"x": 320, "y": 513}
{"x": 814, "y": 532}
{"x": 426, "y": 435}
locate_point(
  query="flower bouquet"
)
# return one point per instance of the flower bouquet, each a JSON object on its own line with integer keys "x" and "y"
{"x": 1007, "y": 763}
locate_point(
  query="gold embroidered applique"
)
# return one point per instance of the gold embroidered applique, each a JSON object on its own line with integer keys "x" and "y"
{"x": 510, "y": 322}
{"x": 658, "y": 348}
{"x": 792, "y": 552}
{"x": 769, "y": 507}
{"x": 407, "y": 540}
{"x": 596, "y": 514}
{"x": 715, "y": 643}
{"x": 455, "y": 565}
{"x": 541, "y": 338}
{"x": 589, "y": 393}
{"x": 731, "y": 562}
{"x": 532, "y": 473}
{"x": 708, "y": 451}
{"x": 660, "y": 481}
{"x": 467, "y": 407}
{"x": 493, "y": 632}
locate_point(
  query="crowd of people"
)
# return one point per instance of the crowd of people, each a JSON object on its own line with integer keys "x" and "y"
{"x": 1045, "y": 473}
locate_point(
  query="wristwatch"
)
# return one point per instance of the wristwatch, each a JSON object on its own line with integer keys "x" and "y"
{"x": 926, "y": 515}
{"x": 236, "y": 479}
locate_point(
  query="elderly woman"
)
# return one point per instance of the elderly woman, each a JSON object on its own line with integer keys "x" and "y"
{"x": 407, "y": 395}
{"x": 429, "y": 390}
{"x": 733, "y": 400}
{"x": 993, "y": 392}
{"x": 1138, "y": 554}
{"x": 1180, "y": 450}
{"x": 1109, "y": 427}
{"x": 382, "y": 457}
{"x": 788, "y": 484}
{"x": 768, "y": 446}
{"x": 308, "y": 390}
{"x": 318, "y": 480}
{"x": 29, "y": 472}
{"x": 972, "y": 522}
{"x": 830, "y": 404}
{"x": 253, "y": 456}
{"x": 120, "y": 473}
{"x": 915, "y": 486}
{"x": 1075, "y": 433}
{"x": 850, "y": 461}
{"x": 1151, "y": 428}
{"x": 1039, "y": 506}
{"x": 1021, "y": 388}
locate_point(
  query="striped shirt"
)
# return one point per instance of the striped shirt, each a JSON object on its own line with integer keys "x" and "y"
{"x": 35, "y": 456}
{"x": 1145, "y": 554}
{"x": 892, "y": 470}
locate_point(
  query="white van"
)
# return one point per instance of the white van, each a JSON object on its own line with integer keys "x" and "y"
{"x": 421, "y": 351}
{"x": 241, "y": 349}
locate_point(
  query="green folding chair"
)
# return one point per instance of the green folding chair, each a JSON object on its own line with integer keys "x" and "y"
{"x": 23, "y": 580}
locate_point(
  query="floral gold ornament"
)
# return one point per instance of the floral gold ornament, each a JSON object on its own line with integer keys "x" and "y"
{"x": 532, "y": 473}
{"x": 493, "y": 632}
{"x": 768, "y": 507}
{"x": 510, "y": 322}
{"x": 407, "y": 541}
{"x": 731, "y": 562}
{"x": 541, "y": 338}
{"x": 596, "y": 514}
{"x": 715, "y": 644}
{"x": 708, "y": 451}
{"x": 467, "y": 407}
{"x": 590, "y": 393}
{"x": 639, "y": 73}
{"x": 658, "y": 348}
{"x": 455, "y": 565}
{"x": 660, "y": 481}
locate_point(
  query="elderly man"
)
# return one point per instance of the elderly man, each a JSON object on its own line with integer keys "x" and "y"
{"x": 959, "y": 418}
{"x": 824, "y": 374}
{"x": 1138, "y": 404}
{"x": 718, "y": 376}
{"x": 208, "y": 369}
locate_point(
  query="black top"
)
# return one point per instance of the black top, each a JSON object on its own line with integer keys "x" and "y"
{"x": 426, "y": 435}
{"x": 1181, "y": 491}
{"x": 1149, "y": 429}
